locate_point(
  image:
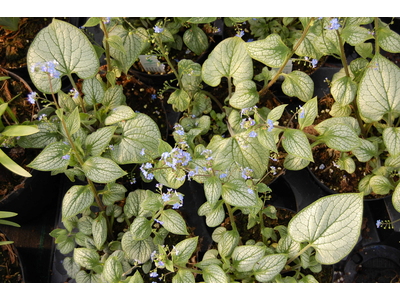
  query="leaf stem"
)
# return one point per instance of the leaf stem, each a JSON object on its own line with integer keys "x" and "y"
{"x": 231, "y": 217}
{"x": 298, "y": 254}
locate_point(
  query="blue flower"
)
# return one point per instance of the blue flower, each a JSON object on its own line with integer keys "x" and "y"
{"x": 107, "y": 20}
{"x": 252, "y": 134}
{"x": 41, "y": 117}
{"x": 306, "y": 58}
{"x": 158, "y": 29}
{"x": 153, "y": 254}
{"x": 153, "y": 97}
{"x": 270, "y": 125}
{"x": 47, "y": 67}
{"x": 133, "y": 181}
{"x": 302, "y": 111}
{"x": 31, "y": 98}
{"x": 142, "y": 152}
{"x": 240, "y": 34}
{"x": 223, "y": 175}
{"x": 249, "y": 40}
{"x": 314, "y": 62}
{"x": 378, "y": 223}
{"x": 160, "y": 263}
{"x": 153, "y": 274}
{"x": 66, "y": 157}
{"x": 179, "y": 129}
{"x": 111, "y": 147}
{"x": 246, "y": 173}
{"x": 159, "y": 222}
{"x": 322, "y": 166}
{"x": 165, "y": 197}
{"x": 250, "y": 191}
{"x": 334, "y": 24}
{"x": 273, "y": 169}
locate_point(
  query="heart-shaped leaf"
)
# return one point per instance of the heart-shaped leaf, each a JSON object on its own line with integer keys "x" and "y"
{"x": 173, "y": 222}
{"x": 269, "y": 266}
{"x": 379, "y": 90}
{"x": 331, "y": 225}
{"x": 344, "y": 90}
{"x": 245, "y": 95}
{"x": 391, "y": 138}
{"x": 93, "y": 90}
{"x": 66, "y": 44}
{"x": 76, "y": 200}
{"x": 298, "y": 84}
{"x": 102, "y": 170}
{"x": 195, "y": 39}
{"x": 228, "y": 59}
{"x": 296, "y": 143}
{"x": 271, "y": 51}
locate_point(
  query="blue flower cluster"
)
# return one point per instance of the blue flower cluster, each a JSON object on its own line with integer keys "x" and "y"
{"x": 246, "y": 173}
{"x": 144, "y": 168}
{"x": 158, "y": 29}
{"x": 270, "y": 124}
{"x": 334, "y": 24}
{"x": 179, "y": 129}
{"x": 48, "y": 67}
{"x": 31, "y": 98}
{"x": 175, "y": 158}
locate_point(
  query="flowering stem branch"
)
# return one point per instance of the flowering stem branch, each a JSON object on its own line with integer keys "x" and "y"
{"x": 107, "y": 50}
{"x": 264, "y": 90}
{"x": 231, "y": 216}
{"x": 164, "y": 53}
{"x": 376, "y": 36}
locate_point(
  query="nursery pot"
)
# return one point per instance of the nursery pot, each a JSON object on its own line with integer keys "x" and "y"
{"x": 374, "y": 263}
{"x": 11, "y": 268}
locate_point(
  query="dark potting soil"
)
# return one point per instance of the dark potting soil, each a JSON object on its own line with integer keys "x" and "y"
{"x": 14, "y": 45}
{"x": 10, "y": 269}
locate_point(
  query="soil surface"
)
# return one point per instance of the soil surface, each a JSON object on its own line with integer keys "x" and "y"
{"x": 10, "y": 270}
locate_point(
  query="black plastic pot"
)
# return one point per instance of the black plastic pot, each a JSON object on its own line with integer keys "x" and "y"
{"x": 374, "y": 263}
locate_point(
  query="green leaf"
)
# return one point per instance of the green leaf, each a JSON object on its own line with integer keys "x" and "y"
{"x": 99, "y": 229}
{"x": 271, "y": 51}
{"x": 141, "y": 228}
{"x": 183, "y": 276}
{"x": 190, "y": 73}
{"x": 173, "y": 222}
{"x": 245, "y": 95}
{"x": 119, "y": 114}
{"x": 102, "y": 170}
{"x": 235, "y": 192}
{"x": 327, "y": 43}
{"x": 379, "y": 90}
{"x": 93, "y": 90}
{"x": 298, "y": 84}
{"x": 344, "y": 90}
{"x": 76, "y": 200}
{"x": 20, "y": 130}
{"x": 114, "y": 192}
{"x": 228, "y": 59}
{"x": 71, "y": 267}
{"x": 73, "y": 122}
{"x": 328, "y": 123}
{"x": 46, "y": 135}
{"x": 112, "y": 271}
{"x": 215, "y": 215}
{"x": 354, "y": 34}
{"x": 365, "y": 151}
{"x": 185, "y": 250}
{"x": 132, "y": 44}
{"x": 139, "y": 250}
{"x": 12, "y": 166}
{"x": 364, "y": 50}
{"x": 340, "y": 137}
{"x": 115, "y": 43}
{"x": 113, "y": 97}
{"x": 228, "y": 242}
{"x": 296, "y": 143}
{"x": 51, "y": 158}
{"x": 391, "y": 138}
{"x": 245, "y": 257}
{"x": 396, "y": 198}
{"x": 87, "y": 258}
{"x": 310, "y": 113}
{"x": 276, "y": 113}
{"x": 388, "y": 39}
{"x": 97, "y": 141}
{"x": 137, "y": 133}
{"x": 247, "y": 154}
{"x": 266, "y": 139}
{"x": 67, "y": 245}
{"x": 136, "y": 278}
{"x": 195, "y": 39}
{"x": 66, "y": 44}
{"x": 331, "y": 225}
{"x": 180, "y": 100}
{"x": 346, "y": 163}
{"x": 269, "y": 266}
{"x": 212, "y": 190}
{"x": 9, "y": 23}
{"x": 214, "y": 274}
{"x": 380, "y": 185}
{"x": 307, "y": 47}
{"x": 295, "y": 163}
{"x": 93, "y": 21}
{"x": 83, "y": 277}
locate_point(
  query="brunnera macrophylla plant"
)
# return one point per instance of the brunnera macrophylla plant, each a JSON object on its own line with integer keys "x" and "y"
{"x": 117, "y": 236}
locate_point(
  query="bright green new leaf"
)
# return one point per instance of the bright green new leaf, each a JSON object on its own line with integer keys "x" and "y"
{"x": 331, "y": 225}
{"x": 12, "y": 166}
{"x": 310, "y": 109}
{"x": 380, "y": 185}
{"x": 271, "y": 51}
{"x": 20, "y": 130}
{"x": 344, "y": 90}
{"x": 66, "y": 44}
{"x": 180, "y": 100}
